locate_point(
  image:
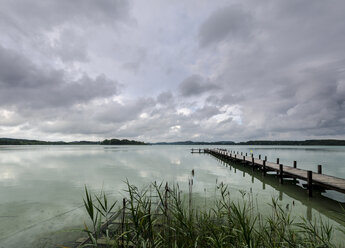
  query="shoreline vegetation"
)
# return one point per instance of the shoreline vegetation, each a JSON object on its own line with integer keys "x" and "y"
{"x": 162, "y": 216}
{"x": 316, "y": 142}
{"x": 8, "y": 141}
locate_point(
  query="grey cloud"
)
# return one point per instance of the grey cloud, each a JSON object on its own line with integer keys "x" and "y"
{"x": 259, "y": 70}
{"x": 165, "y": 97}
{"x": 70, "y": 46}
{"x": 24, "y": 84}
{"x": 196, "y": 85}
{"x": 230, "y": 22}
{"x": 206, "y": 112}
{"x": 140, "y": 56}
{"x": 116, "y": 112}
{"x": 28, "y": 16}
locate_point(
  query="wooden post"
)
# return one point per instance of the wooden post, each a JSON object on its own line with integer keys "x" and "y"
{"x": 252, "y": 163}
{"x": 252, "y": 155}
{"x": 259, "y": 156}
{"x": 244, "y": 158}
{"x": 294, "y": 164}
{"x": 264, "y": 168}
{"x": 265, "y": 158}
{"x": 319, "y": 169}
{"x": 246, "y": 154}
{"x": 241, "y": 153}
{"x": 277, "y": 160}
{"x": 310, "y": 183}
{"x": 281, "y": 173}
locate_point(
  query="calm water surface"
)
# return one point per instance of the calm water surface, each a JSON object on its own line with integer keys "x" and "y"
{"x": 41, "y": 187}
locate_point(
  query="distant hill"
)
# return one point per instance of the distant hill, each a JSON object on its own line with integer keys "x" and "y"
{"x": 121, "y": 142}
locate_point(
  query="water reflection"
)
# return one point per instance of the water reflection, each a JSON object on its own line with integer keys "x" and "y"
{"x": 41, "y": 187}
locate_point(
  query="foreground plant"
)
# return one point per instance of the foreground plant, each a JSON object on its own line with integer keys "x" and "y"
{"x": 156, "y": 216}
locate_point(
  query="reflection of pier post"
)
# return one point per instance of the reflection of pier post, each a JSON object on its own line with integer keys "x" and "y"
{"x": 263, "y": 185}
{"x": 309, "y": 213}
{"x": 281, "y": 172}
{"x": 280, "y": 195}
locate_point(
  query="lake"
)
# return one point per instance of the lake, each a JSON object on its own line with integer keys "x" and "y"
{"x": 41, "y": 187}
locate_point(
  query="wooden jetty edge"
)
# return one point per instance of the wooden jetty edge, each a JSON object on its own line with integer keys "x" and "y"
{"x": 283, "y": 171}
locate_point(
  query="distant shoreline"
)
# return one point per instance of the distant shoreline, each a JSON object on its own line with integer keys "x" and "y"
{"x": 320, "y": 142}
{"x": 8, "y": 141}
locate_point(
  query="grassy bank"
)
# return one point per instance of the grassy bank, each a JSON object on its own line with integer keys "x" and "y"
{"x": 160, "y": 216}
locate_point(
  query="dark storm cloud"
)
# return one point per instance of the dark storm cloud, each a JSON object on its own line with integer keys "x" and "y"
{"x": 230, "y": 22}
{"x": 24, "y": 84}
{"x": 196, "y": 85}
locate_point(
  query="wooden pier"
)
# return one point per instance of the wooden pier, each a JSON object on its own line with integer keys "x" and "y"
{"x": 313, "y": 179}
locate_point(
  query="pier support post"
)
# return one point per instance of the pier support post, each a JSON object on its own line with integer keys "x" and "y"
{"x": 319, "y": 169}
{"x": 265, "y": 158}
{"x": 310, "y": 183}
{"x": 294, "y": 164}
{"x": 246, "y": 154}
{"x": 281, "y": 173}
{"x": 277, "y": 160}
{"x": 259, "y": 156}
{"x": 264, "y": 168}
{"x": 253, "y": 163}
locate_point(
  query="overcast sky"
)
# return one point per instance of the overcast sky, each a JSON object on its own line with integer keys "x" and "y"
{"x": 159, "y": 70}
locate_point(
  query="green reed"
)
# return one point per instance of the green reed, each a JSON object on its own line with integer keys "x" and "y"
{"x": 156, "y": 216}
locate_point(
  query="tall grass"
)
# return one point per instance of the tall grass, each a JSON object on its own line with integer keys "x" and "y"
{"x": 157, "y": 216}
